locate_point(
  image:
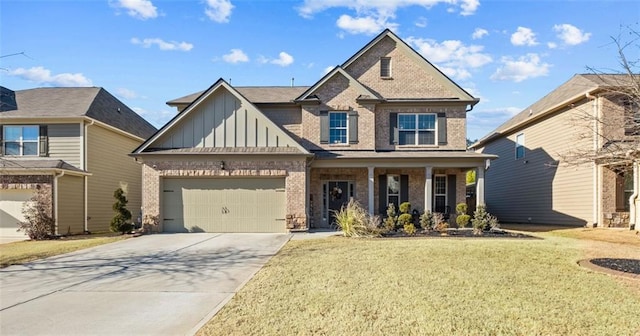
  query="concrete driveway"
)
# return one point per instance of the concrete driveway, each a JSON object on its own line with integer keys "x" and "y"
{"x": 165, "y": 284}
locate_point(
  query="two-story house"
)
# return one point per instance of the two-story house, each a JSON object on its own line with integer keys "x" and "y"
{"x": 73, "y": 143}
{"x": 571, "y": 158}
{"x": 384, "y": 127}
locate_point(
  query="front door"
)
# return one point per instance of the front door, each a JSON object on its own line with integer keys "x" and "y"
{"x": 336, "y": 195}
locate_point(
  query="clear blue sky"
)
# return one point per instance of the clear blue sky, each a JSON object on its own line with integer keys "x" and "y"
{"x": 146, "y": 52}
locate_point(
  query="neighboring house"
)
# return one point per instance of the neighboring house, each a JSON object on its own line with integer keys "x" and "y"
{"x": 384, "y": 127}
{"x": 556, "y": 164}
{"x": 74, "y": 144}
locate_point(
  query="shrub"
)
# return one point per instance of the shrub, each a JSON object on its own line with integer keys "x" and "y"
{"x": 120, "y": 222}
{"x": 354, "y": 221}
{"x": 390, "y": 221}
{"x": 405, "y": 208}
{"x": 38, "y": 222}
{"x": 410, "y": 229}
{"x": 461, "y": 208}
{"x": 463, "y": 220}
{"x": 405, "y": 219}
{"x": 426, "y": 220}
{"x": 439, "y": 224}
{"x": 483, "y": 221}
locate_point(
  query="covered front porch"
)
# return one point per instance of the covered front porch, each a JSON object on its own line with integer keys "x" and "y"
{"x": 433, "y": 184}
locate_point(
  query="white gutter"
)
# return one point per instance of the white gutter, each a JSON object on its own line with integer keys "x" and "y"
{"x": 55, "y": 198}
{"x": 595, "y": 177}
{"x": 86, "y": 178}
{"x": 633, "y": 210}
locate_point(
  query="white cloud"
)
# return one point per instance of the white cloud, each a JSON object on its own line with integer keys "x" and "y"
{"x": 140, "y": 9}
{"x": 283, "y": 59}
{"x": 479, "y": 33}
{"x": 235, "y": 56}
{"x": 552, "y": 45}
{"x": 525, "y": 67}
{"x": 156, "y": 118}
{"x": 374, "y": 15}
{"x": 571, "y": 35}
{"x": 481, "y": 121}
{"x": 219, "y": 10}
{"x": 43, "y": 76}
{"x": 523, "y": 36}
{"x": 421, "y": 22}
{"x": 126, "y": 93}
{"x": 452, "y": 57}
{"x": 162, "y": 45}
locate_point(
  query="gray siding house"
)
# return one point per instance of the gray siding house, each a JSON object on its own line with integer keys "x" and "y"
{"x": 555, "y": 161}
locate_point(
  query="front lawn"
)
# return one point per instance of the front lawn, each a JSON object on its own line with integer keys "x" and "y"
{"x": 24, "y": 251}
{"x": 437, "y": 286}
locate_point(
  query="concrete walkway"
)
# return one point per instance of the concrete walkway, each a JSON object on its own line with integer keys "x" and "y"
{"x": 165, "y": 284}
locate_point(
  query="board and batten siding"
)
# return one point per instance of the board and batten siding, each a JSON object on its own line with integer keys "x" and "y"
{"x": 70, "y": 204}
{"x": 538, "y": 188}
{"x": 223, "y": 120}
{"x": 65, "y": 143}
{"x": 111, "y": 168}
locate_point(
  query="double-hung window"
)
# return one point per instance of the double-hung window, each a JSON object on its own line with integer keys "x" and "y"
{"x": 338, "y": 128}
{"x": 416, "y": 129}
{"x": 520, "y": 146}
{"x": 20, "y": 140}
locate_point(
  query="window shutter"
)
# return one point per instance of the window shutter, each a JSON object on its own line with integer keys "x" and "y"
{"x": 1, "y": 142}
{"x": 44, "y": 141}
{"x": 442, "y": 129}
{"x": 382, "y": 194}
{"x": 393, "y": 129}
{"x": 324, "y": 127}
{"x": 451, "y": 193}
{"x": 353, "y": 127}
{"x": 404, "y": 188}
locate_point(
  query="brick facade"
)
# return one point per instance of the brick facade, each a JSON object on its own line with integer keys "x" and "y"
{"x": 292, "y": 170}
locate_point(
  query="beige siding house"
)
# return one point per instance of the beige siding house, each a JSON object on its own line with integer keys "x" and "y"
{"x": 74, "y": 144}
{"x": 384, "y": 127}
{"x": 552, "y": 167}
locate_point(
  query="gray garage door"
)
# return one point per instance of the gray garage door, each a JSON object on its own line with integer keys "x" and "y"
{"x": 224, "y": 205}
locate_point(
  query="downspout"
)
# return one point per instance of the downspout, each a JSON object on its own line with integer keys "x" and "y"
{"x": 86, "y": 178}
{"x": 633, "y": 210}
{"x": 595, "y": 177}
{"x": 55, "y": 198}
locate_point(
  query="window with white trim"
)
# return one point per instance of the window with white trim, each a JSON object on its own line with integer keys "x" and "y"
{"x": 385, "y": 67}
{"x": 338, "y": 128}
{"x": 440, "y": 193}
{"x": 417, "y": 128}
{"x": 20, "y": 140}
{"x": 520, "y": 146}
{"x": 393, "y": 190}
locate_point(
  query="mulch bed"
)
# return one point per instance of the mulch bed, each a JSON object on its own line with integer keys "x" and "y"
{"x": 616, "y": 266}
{"x": 462, "y": 233}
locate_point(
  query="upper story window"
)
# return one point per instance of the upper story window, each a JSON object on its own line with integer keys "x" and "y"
{"x": 416, "y": 129}
{"x": 20, "y": 140}
{"x": 338, "y": 128}
{"x": 520, "y": 146}
{"x": 632, "y": 117}
{"x": 385, "y": 67}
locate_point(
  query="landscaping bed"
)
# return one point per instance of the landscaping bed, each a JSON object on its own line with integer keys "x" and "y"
{"x": 463, "y": 233}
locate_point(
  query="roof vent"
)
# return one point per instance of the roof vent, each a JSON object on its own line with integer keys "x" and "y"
{"x": 530, "y": 112}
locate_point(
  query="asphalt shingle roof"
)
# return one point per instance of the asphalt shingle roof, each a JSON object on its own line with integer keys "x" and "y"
{"x": 255, "y": 94}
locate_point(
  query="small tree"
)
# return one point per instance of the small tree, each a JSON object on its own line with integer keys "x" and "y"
{"x": 390, "y": 221}
{"x": 120, "y": 222}
{"x": 483, "y": 221}
{"x": 462, "y": 219}
{"x": 38, "y": 223}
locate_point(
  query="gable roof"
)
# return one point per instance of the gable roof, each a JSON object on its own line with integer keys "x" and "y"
{"x": 461, "y": 94}
{"x": 92, "y": 102}
{"x": 220, "y": 83}
{"x": 570, "y": 91}
{"x": 365, "y": 93}
{"x": 254, "y": 94}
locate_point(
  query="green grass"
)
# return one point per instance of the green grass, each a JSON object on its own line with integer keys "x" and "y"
{"x": 341, "y": 286}
{"x": 24, "y": 251}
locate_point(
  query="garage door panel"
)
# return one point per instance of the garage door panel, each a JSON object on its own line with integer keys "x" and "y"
{"x": 11, "y": 204}
{"x": 224, "y": 205}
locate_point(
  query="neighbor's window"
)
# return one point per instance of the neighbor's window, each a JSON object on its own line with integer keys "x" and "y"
{"x": 520, "y": 145}
{"x": 416, "y": 129}
{"x": 440, "y": 191}
{"x": 385, "y": 67}
{"x": 21, "y": 140}
{"x": 393, "y": 190}
{"x": 338, "y": 128}
{"x": 632, "y": 117}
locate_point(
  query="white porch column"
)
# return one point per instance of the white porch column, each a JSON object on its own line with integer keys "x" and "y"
{"x": 370, "y": 190}
{"x": 428, "y": 189}
{"x": 480, "y": 186}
